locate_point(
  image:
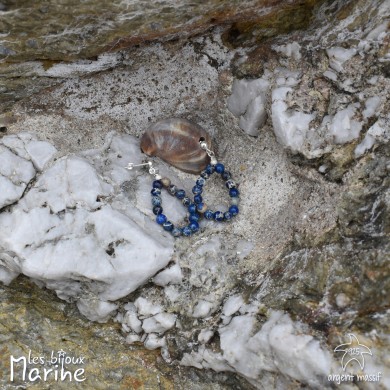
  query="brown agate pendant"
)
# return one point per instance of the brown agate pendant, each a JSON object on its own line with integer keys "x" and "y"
{"x": 176, "y": 141}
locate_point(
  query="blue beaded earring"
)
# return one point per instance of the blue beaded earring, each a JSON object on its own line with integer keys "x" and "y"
{"x": 197, "y": 190}
{"x": 158, "y": 184}
{"x": 196, "y": 207}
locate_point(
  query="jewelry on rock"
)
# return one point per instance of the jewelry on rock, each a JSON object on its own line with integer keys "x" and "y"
{"x": 195, "y": 206}
{"x": 176, "y": 141}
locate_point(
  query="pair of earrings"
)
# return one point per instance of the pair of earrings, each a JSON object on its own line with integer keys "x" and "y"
{"x": 195, "y": 205}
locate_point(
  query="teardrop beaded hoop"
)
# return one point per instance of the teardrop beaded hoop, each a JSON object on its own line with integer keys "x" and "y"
{"x": 195, "y": 206}
{"x": 161, "y": 218}
{"x": 218, "y": 216}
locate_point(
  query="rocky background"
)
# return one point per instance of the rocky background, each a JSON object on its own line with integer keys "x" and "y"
{"x": 296, "y": 97}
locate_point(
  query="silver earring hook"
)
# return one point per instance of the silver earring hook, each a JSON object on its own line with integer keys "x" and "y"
{"x": 210, "y": 153}
{"x": 152, "y": 170}
{"x": 130, "y": 166}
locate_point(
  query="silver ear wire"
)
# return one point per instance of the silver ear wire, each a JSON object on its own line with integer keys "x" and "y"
{"x": 130, "y": 166}
{"x": 210, "y": 153}
{"x": 152, "y": 171}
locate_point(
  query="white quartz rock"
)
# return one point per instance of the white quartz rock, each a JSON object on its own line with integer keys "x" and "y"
{"x": 10, "y": 192}
{"x": 118, "y": 152}
{"x": 205, "y": 358}
{"x": 378, "y": 33}
{"x": 96, "y": 310}
{"x": 171, "y": 275}
{"x": 330, "y": 75}
{"x": 10, "y": 265}
{"x": 27, "y": 146}
{"x": 205, "y": 335}
{"x": 366, "y": 144}
{"x": 172, "y": 293}
{"x": 281, "y": 345}
{"x": 159, "y": 323}
{"x": 286, "y": 78}
{"x": 70, "y": 182}
{"x": 20, "y": 156}
{"x": 290, "y": 126}
{"x": 379, "y": 131}
{"x": 132, "y": 338}
{"x": 277, "y": 346}
{"x": 254, "y": 117}
{"x": 290, "y": 50}
{"x": 250, "y": 308}
{"x": 154, "y": 342}
{"x": 75, "y": 231}
{"x": 344, "y": 127}
{"x": 40, "y": 153}
{"x": 74, "y": 248}
{"x": 15, "y": 173}
{"x": 146, "y": 308}
{"x": 337, "y": 57}
{"x": 247, "y": 101}
{"x": 243, "y": 92}
{"x": 130, "y": 319}
{"x": 17, "y": 143}
{"x": 15, "y": 168}
{"x": 6, "y": 275}
{"x": 232, "y": 305}
{"x": 202, "y": 309}
{"x": 372, "y": 105}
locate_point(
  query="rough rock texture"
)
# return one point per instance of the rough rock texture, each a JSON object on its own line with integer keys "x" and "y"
{"x": 269, "y": 296}
{"x": 32, "y": 319}
{"x": 65, "y": 205}
{"x": 37, "y": 38}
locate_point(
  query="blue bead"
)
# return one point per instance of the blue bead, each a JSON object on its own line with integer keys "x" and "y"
{"x": 200, "y": 207}
{"x": 233, "y": 210}
{"x": 155, "y": 191}
{"x": 201, "y": 181}
{"x": 186, "y": 201}
{"x": 161, "y": 218}
{"x": 187, "y": 231}
{"x": 156, "y": 201}
{"x": 230, "y": 184}
{"x": 172, "y": 189}
{"x": 226, "y": 175}
{"x": 192, "y": 208}
{"x": 205, "y": 175}
{"x": 233, "y": 192}
{"x": 218, "y": 216}
{"x": 209, "y": 169}
{"x": 180, "y": 194}
{"x": 157, "y": 210}
{"x": 168, "y": 226}
{"x": 157, "y": 184}
{"x": 209, "y": 214}
{"x": 198, "y": 198}
{"x": 197, "y": 190}
{"x": 194, "y": 226}
{"x": 176, "y": 232}
{"x": 219, "y": 168}
{"x": 227, "y": 216}
{"x": 194, "y": 217}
